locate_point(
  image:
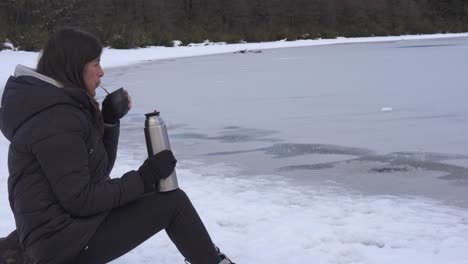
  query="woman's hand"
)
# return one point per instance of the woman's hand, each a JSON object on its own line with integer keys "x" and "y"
{"x": 129, "y": 100}
{"x": 115, "y": 106}
{"x": 155, "y": 168}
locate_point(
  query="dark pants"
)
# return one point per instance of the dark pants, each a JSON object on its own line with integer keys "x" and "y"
{"x": 127, "y": 227}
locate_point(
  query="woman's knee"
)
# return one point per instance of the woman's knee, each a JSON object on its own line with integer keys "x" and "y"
{"x": 171, "y": 200}
{"x": 177, "y": 196}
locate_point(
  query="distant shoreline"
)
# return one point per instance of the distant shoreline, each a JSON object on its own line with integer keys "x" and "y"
{"x": 113, "y": 58}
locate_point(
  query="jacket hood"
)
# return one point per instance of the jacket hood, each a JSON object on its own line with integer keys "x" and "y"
{"x": 28, "y": 93}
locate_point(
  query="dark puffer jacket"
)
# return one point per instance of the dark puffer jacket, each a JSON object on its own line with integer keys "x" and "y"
{"x": 59, "y": 185}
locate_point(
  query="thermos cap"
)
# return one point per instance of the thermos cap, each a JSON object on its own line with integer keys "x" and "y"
{"x": 155, "y": 113}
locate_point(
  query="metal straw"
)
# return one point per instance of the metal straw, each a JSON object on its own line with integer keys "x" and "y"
{"x": 104, "y": 89}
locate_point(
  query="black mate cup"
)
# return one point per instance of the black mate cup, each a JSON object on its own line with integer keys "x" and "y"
{"x": 118, "y": 101}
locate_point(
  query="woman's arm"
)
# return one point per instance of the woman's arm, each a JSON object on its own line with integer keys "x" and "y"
{"x": 111, "y": 142}
{"x": 112, "y": 115}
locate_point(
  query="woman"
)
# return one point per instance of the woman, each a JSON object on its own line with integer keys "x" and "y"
{"x": 62, "y": 149}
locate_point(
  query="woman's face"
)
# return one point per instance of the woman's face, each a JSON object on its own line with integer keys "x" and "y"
{"x": 92, "y": 75}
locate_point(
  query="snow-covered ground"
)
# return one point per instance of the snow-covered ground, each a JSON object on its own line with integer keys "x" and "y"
{"x": 269, "y": 218}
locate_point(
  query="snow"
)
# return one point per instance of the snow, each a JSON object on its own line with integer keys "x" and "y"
{"x": 8, "y": 45}
{"x": 273, "y": 219}
{"x": 386, "y": 109}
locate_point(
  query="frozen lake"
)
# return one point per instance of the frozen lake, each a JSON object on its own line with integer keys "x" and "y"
{"x": 337, "y": 154}
{"x": 377, "y": 118}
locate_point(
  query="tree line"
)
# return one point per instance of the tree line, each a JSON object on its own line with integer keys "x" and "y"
{"x": 139, "y": 23}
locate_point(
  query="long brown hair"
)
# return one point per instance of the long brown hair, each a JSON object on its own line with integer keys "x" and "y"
{"x": 64, "y": 57}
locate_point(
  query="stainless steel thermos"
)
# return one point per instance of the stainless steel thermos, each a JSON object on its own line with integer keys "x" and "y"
{"x": 157, "y": 140}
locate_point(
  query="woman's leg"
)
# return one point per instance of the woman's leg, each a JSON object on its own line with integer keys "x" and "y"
{"x": 127, "y": 227}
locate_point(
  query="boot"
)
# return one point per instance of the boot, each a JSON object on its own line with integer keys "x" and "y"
{"x": 10, "y": 250}
{"x": 223, "y": 259}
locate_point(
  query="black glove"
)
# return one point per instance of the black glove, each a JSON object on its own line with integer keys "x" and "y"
{"x": 114, "y": 106}
{"x": 155, "y": 168}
